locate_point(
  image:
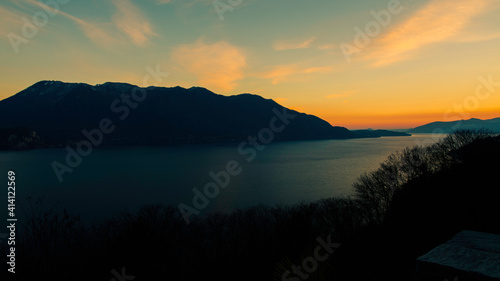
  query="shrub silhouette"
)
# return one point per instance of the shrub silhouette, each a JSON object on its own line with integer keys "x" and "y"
{"x": 374, "y": 191}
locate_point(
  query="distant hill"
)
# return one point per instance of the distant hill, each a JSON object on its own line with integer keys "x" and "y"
{"x": 382, "y": 133}
{"x": 59, "y": 111}
{"x": 448, "y": 127}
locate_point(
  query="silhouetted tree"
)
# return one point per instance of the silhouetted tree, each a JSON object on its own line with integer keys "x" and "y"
{"x": 374, "y": 191}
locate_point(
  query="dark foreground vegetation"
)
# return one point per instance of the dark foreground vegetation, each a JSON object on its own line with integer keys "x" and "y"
{"x": 416, "y": 200}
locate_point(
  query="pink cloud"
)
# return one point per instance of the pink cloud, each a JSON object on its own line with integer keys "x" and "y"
{"x": 438, "y": 21}
{"x": 218, "y": 65}
{"x": 130, "y": 20}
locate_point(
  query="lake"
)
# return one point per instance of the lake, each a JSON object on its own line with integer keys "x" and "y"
{"x": 111, "y": 180}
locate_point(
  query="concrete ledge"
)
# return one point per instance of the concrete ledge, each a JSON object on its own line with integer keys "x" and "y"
{"x": 469, "y": 256}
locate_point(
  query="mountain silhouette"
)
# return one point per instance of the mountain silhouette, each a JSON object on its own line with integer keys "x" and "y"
{"x": 448, "y": 127}
{"x": 155, "y": 115}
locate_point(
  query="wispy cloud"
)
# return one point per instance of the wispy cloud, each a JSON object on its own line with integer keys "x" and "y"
{"x": 10, "y": 21}
{"x": 292, "y": 45}
{"x": 318, "y": 69}
{"x": 100, "y": 34}
{"x": 438, "y": 21}
{"x": 218, "y": 65}
{"x": 327, "y": 46}
{"x": 279, "y": 73}
{"x": 130, "y": 20}
{"x": 289, "y": 72}
{"x": 103, "y": 34}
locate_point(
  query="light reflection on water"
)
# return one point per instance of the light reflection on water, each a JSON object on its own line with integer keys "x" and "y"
{"x": 111, "y": 180}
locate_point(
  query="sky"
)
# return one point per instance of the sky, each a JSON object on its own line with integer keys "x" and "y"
{"x": 354, "y": 63}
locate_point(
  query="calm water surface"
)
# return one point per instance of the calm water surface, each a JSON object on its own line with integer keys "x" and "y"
{"x": 111, "y": 180}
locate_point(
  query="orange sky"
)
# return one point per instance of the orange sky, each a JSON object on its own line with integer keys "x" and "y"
{"x": 368, "y": 64}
